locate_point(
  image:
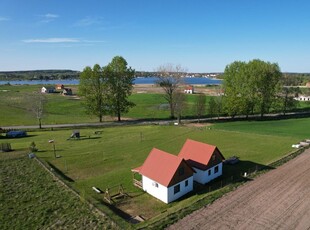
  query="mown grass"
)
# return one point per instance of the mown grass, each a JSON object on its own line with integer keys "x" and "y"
{"x": 105, "y": 160}
{"x": 31, "y": 199}
{"x": 290, "y": 127}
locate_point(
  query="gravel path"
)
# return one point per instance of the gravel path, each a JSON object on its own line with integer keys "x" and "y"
{"x": 279, "y": 199}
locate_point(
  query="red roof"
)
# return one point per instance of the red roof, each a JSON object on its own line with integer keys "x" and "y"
{"x": 189, "y": 87}
{"x": 160, "y": 166}
{"x": 197, "y": 153}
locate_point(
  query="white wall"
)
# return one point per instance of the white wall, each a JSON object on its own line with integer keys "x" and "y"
{"x": 203, "y": 177}
{"x": 159, "y": 192}
{"x": 183, "y": 189}
{"x": 163, "y": 193}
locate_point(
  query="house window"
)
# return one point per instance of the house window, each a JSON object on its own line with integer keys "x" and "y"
{"x": 181, "y": 171}
{"x": 155, "y": 184}
{"x": 216, "y": 169}
{"x": 209, "y": 172}
{"x": 186, "y": 183}
{"x": 176, "y": 189}
{"x": 213, "y": 157}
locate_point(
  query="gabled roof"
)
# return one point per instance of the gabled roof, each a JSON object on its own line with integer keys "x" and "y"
{"x": 198, "y": 154}
{"x": 161, "y": 166}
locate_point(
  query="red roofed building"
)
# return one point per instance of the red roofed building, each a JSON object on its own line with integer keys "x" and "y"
{"x": 206, "y": 160}
{"x": 189, "y": 89}
{"x": 165, "y": 176}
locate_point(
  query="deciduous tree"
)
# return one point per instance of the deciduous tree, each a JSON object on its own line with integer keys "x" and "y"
{"x": 119, "y": 86}
{"x": 93, "y": 86}
{"x": 250, "y": 86}
{"x": 200, "y": 105}
{"x": 170, "y": 80}
{"x": 35, "y": 104}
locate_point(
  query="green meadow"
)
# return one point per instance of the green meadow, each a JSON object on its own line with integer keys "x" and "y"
{"x": 105, "y": 160}
{"x": 104, "y": 157}
{"x": 69, "y": 109}
{"x": 63, "y": 110}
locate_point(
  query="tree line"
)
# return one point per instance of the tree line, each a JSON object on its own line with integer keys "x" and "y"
{"x": 39, "y": 75}
{"x": 254, "y": 87}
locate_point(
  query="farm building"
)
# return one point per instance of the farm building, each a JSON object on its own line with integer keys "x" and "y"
{"x": 60, "y": 86}
{"x": 48, "y": 89}
{"x": 67, "y": 91}
{"x": 165, "y": 176}
{"x": 206, "y": 160}
{"x": 189, "y": 89}
{"x": 302, "y": 98}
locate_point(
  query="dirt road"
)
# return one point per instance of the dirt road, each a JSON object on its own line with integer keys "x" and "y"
{"x": 279, "y": 199}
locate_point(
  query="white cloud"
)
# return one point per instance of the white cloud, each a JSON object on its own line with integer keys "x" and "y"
{"x": 68, "y": 42}
{"x": 51, "y": 16}
{"x": 88, "y": 21}
{"x": 52, "y": 40}
{"x": 46, "y": 18}
{"x": 4, "y": 19}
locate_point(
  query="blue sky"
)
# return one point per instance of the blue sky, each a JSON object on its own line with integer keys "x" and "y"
{"x": 200, "y": 35}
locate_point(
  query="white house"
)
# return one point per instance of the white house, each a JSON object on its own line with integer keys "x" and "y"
{"x": 48, "y": 89}
{"x": 205, "y": 159}
{"x": 189, "y": 89}
{"x": 302, "y": 98}
{"x": 165, "y": 176}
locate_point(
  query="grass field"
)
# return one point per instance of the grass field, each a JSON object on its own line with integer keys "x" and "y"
{"x": 64, "y": 110}
{"x": 31, "y": 199}
{"x": 105, "y": 160}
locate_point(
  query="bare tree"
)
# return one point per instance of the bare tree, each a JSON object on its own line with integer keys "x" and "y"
{"x": 35, "y": 103}
{"x": 200, "y": 105}
{"x": 180, "y": 104}
{"x": 170, "y": 79}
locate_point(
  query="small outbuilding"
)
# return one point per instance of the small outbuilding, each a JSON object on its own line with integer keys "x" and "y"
{"x": 67, "y": 91}
{"x": 189, "y": 89}
{"x": 48, "y": 89}
{"x": 60, "y": 86}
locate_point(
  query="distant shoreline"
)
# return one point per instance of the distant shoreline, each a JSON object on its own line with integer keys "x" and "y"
{"x": 137, "y": 81}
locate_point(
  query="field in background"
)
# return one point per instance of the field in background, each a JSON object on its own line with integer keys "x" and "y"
{"x": 69, "y": 109}
{"x": 105, "y": 159}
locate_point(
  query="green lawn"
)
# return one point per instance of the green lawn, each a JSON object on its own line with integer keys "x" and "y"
{"x": 290, "y": 127}
{"x": 105, "y": 160}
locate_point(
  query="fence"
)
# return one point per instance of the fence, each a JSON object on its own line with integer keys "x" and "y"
{"x": 249, "y": 173}
{"x": 55, "y": 174}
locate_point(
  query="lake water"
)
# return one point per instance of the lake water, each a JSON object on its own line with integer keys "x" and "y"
{"x": 142, "y": 80}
